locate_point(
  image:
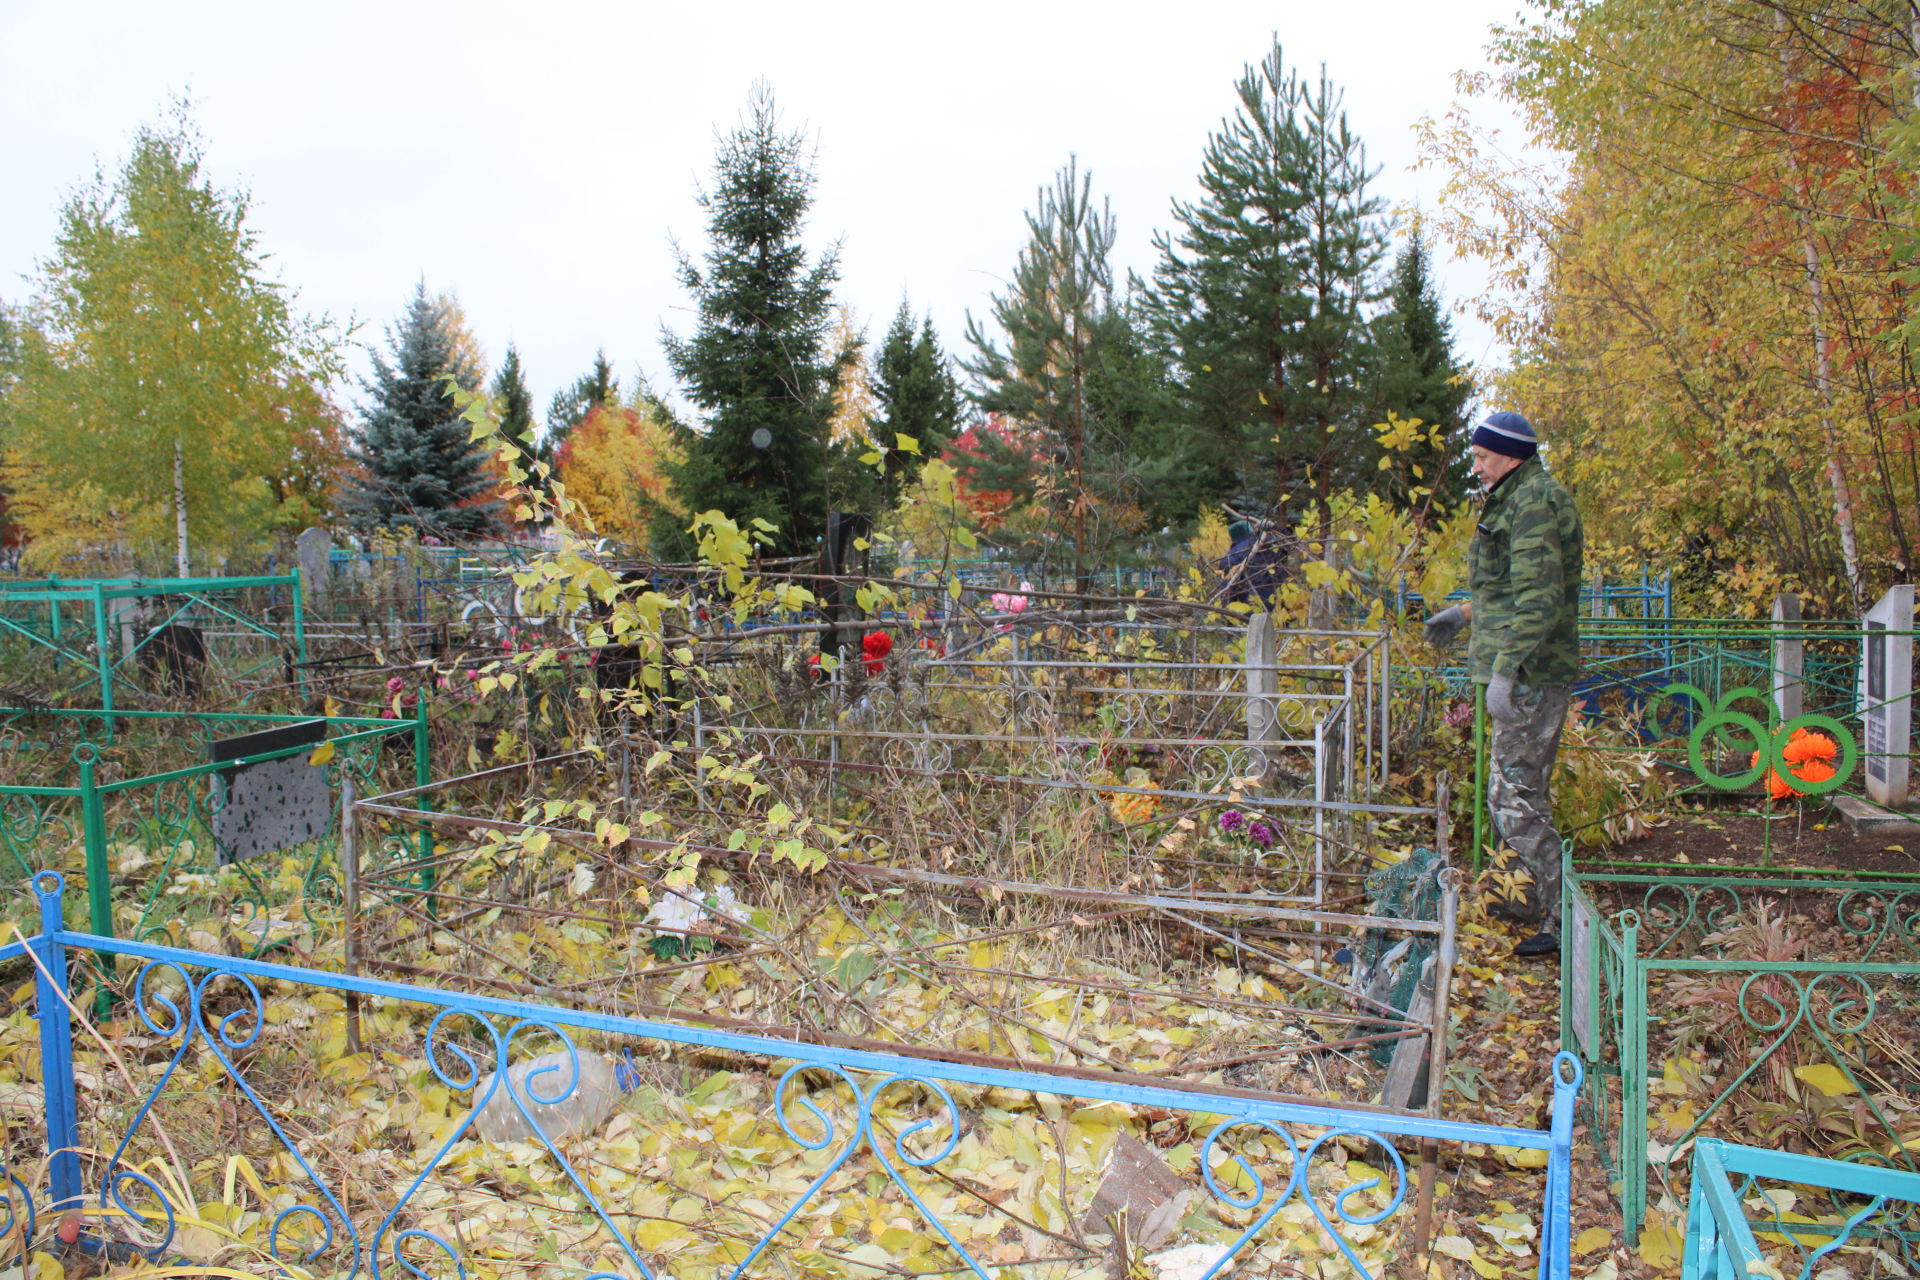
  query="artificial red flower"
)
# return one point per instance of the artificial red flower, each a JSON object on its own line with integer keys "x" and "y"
{"x": 876, "y": 646}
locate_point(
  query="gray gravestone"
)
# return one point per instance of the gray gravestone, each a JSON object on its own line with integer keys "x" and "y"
{"x": 129, "y": 616}
{"x": 1789, "y": 658}
{"x": 1580, "y": 978}
{"x": 314, "y": 547}
{"x": 1886, "y": 706}
{"x": 270, "y": 805}
{"x": 1263, "y": 686}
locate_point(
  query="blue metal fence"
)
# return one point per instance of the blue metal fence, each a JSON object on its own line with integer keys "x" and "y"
{"x": 895, "y": 1118}
{"x": 1870, "y": 1215}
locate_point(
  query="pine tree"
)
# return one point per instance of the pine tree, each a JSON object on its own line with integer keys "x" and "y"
{"x": 1420, "y": 377}
{"x": 758, "y": 366}
{"x": 571, "y": 405}
{"x": 11, "y": 351}
{"x": 420, "y": 468}
{"x": 1260, "y": 295}
{"x": 1062, "y": 287}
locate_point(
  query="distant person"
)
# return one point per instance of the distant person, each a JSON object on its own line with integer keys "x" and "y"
{"x": 1255, "y": 565}
{"x": 1524, "y": 570}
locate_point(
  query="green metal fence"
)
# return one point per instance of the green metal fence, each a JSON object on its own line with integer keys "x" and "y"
{"x": 111, "y": 633}
{"x": 140, "y": 834}
{"x": 1710, "y": 992}
{"x": 1700, "y": 697}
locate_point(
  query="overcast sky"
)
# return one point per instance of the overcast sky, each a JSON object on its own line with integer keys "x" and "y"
{"x": 538, "y": 159}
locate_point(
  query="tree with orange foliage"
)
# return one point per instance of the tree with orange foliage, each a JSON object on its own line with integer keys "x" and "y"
{"x": 615, "y": 464}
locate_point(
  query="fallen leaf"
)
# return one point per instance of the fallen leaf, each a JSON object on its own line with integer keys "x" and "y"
{"x": 1591, "y": 1239}
{"x": 1827, "y": 1078}
{"x": 1660, "y": 1244}
{"x": 1522, "y": 1157}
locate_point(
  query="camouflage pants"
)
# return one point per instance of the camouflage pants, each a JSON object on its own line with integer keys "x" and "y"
{"x": 1520, "y": 763}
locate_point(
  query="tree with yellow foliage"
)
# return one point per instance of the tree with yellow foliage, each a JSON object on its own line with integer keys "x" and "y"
{"x": 163, "y": 392}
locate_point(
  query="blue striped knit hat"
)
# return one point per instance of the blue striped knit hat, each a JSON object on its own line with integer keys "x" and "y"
{"x": 1506, "y": 432}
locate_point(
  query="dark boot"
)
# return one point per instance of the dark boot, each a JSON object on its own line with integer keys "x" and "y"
{"x": 1538, "y": 947}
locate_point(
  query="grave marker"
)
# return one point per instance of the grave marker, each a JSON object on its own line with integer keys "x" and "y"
{"x": 1579, "y": 955}
{"x": 1263, "y": 687}
{"x": 1886, "y": 707}
{"x": 272, "y": 804}
{"x": 1789, "y": 658}
{"x": 314, "y": 548}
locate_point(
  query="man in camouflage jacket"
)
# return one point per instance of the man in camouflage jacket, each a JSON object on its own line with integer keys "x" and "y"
{"x": 1524, "y": 577}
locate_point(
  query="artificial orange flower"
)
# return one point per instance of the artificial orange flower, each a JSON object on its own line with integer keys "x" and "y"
{"x": 1804, "y": 746}
{"x": 1807, "y": 754}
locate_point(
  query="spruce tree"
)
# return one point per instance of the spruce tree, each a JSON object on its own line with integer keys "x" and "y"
{"x": 419, "y": 467}
{"x": 916, "y": 396}
{"x": 571, "y": 405}
{"x": 1421, "y": 377}
{"x": 1260, "y": 295}
{"x": 513, "y": 402}
{"x": 758, "y": 367}
{"x": 1130, "y": 395}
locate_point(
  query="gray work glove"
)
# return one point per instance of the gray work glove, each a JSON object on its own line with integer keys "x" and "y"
{"x": 1500, "y": 700}
{"x": 1443, "y": 626}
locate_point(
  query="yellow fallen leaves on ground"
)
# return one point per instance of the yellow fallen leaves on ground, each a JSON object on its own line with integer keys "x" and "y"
{"x": 1522, "y": 1157}
{"x": 1661, "y": 1244}
{"x": 1591, "y": 1239}
{"x": 1462, "y": 1249}
{"x": 1827, "y": 1078}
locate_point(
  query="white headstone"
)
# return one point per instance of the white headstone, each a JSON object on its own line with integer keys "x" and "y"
{"x": 314, "y": 548}
{"x": 1886, "y": 704}
{"x": 1789, "y": 658}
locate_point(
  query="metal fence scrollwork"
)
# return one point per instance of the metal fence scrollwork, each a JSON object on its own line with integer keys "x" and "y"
{"x": 856, "y": 1122}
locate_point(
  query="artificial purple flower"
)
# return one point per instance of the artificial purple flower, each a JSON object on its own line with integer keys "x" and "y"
{"x": 1232, "y": 820}
{"x": 1263, "y": 835}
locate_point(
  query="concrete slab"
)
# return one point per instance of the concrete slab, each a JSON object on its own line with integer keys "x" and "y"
{"x": 1864, "y": 816}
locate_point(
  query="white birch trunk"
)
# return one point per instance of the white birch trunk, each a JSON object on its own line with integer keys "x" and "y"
{"x": 180, "y": 509}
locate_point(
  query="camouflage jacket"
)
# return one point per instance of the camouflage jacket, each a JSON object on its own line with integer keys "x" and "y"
{"x": 1524, "y": 573}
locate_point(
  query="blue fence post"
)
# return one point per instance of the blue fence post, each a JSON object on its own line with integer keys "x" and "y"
{"x": 56, "y": 1046}
{"x": 1557, "y": 1213}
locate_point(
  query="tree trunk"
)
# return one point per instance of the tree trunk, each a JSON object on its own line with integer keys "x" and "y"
{"x": 1082, "y": 579}
{"x": 180, "y": 509}
{"x": 1822, "y": 349}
